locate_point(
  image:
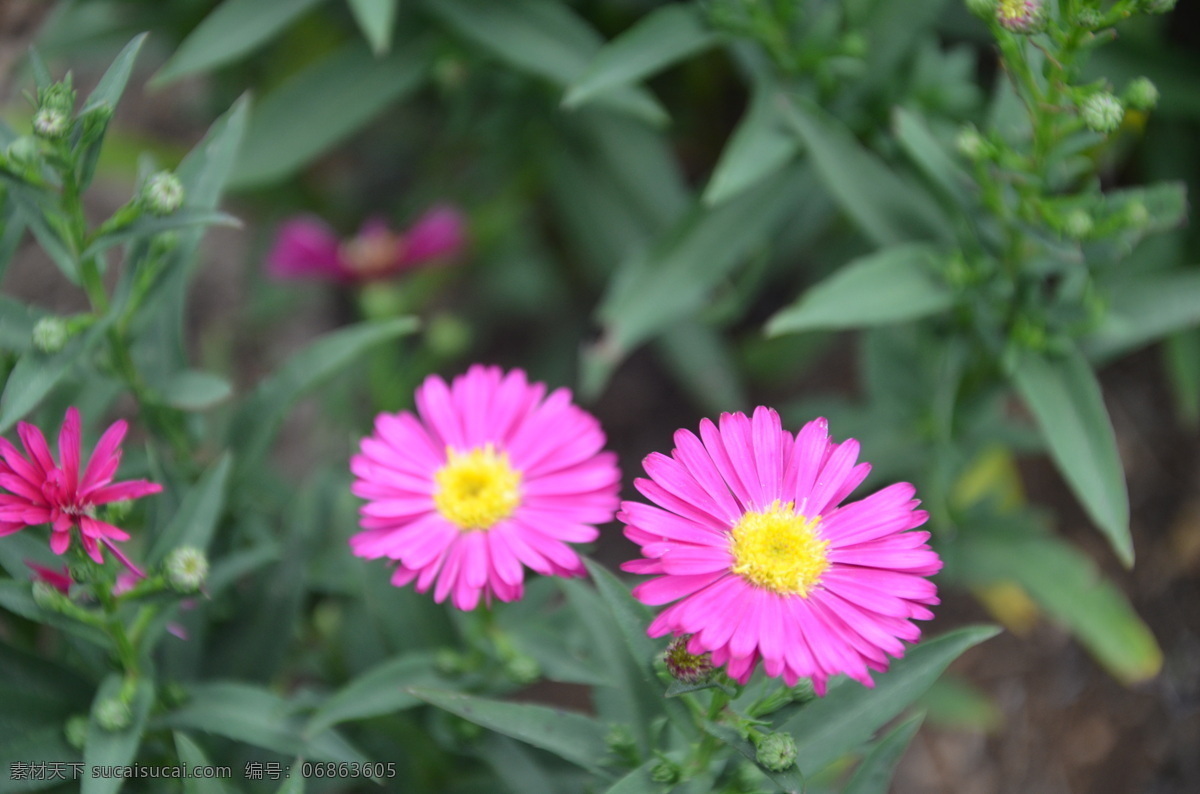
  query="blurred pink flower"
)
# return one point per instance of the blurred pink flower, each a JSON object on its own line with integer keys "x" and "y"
{"x": 60, "y": 580}
{"x": 41, "y": 491}
{"x": 750, "y": 540}
{"x": 489, "y": 475}
{"x": 307, "y": 248}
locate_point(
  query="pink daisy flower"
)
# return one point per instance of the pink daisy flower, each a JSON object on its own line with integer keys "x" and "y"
{"x": 488, "y": 477}
{"x": 42, "y": 491}
{"x": 307, "y": 248}
{"x": 751, "y": 542}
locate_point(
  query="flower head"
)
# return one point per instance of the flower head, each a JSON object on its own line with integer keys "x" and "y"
{"x": 1021, "y": 16}
{"x": 749, "y": 536}
{"x": 488, "y": 477}
{"x": 307, "y": 248}
{"x": 39, "y": 490}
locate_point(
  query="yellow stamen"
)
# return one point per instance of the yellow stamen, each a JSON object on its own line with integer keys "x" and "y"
{"x": 779, "y": 549}
{"x": 373, "y": 253}
{"x": 476, "y": 489}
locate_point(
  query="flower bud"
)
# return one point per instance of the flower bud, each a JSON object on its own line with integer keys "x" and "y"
{"x": 448, "y": 661}
{"x": 118, "y": 511}
{"x": 1102, "y": 112}
{"x": 666, "y": 772}
{"x": 685, "y": 666}
{"x": 113, "y": 714}
{"x": 48, "y": 597}
{"x": 620, "y": 742}
{"x": 1089, "y": 18}
{"x": 57, "y": 96}
{"x": 776, "y": 751}
{"x": 1158, "y": 6}
{"x": 50, "y": 334}
{"x": 970, "y": 144}
{"x": 522, "y": 669}
{"x": 1021, "y": 16}
{"x": 1078, "y": 224}
{"x": 163, "y": 193}
{"x": 1137, "y": 215}
{"x": 50, "y": 123}
{"x": 1141, "y": 94}
{"x": 76, "y": 730}
{"x": 186, "y": 568}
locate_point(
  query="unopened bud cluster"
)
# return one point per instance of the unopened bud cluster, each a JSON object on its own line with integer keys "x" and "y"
{"x": 775, "y": 751}
{"x": 163, "y": 193}
{"x": 1021, "y": 16}
{"x": 685, "y": 666}
{"x": 186, "y": 569}
{"x": 1102, "y": 112}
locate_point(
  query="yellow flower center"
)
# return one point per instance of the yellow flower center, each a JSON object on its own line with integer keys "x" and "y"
{"x": 373, "y": 253}
{"x": 778, "y": 549}
{"x": 476, "y": 489}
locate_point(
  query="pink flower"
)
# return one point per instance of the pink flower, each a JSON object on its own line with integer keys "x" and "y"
{"x": 491, "y": 474}
{"x": 751, "y": 541}
{"x": 307, "y": 248}
{"x": 60, "y": 580}
{"x": 41, "y": 491}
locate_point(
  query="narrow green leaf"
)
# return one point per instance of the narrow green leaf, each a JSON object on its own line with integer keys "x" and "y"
{"x": 894, "y": 285}
{"x": 33, "y": 686}
{"x": 114, "y": 748}
{"x": 1182, "y": 361}
{"x": 15, "y": 596}
{"x": 12, "y": 229}
{"x": 149, "y": 225}
{"x": 380, "y": 690}
{"x": 1067, "y": 585}
{"x": 196, "y": 519}
{"x": 702, "y": 359}
{"x": 293, "y": 785}
{"x": 760, "y": 146}
{"x": 259, "y": 418}
{"x": 830, "y": 727}
{"x": 320, "y": 106}
{"x": 888, "y": 209}
{"x": 631, "y": 616}
{"x": 1143, "y": 309}
{"x": 193, "y": 390}
{"x": 544, "y": 38}
{"x": 790, "y": 780}
{"x": 376, "y": 19}
{"x": 1065, "y": 399}
{"x": 231, "y": 30}
{"x": 38, "y": 210}
{"x": 108, "y": 91}
{"x": 637, "y": 781}
{"x": 515, "y": 766}
{"x": 37, "y": 373}
{"x": 255, "y": 716}
{"x": 874, "y": 774}
{"x": 17, "y": 320}
{"x": 192, "y": 756}
{"x": 930, "y": 155}
{"x": 657, "y": 40}
{"x": 953, "y": 704}
{"x": 574, "y": 737}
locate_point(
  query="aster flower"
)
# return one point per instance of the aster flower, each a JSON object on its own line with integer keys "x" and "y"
{"x": 488, "y": 477}
{"x": 307, "y": 248}
{"x": 749, "y": 537}
{"x": 40, "y": 490}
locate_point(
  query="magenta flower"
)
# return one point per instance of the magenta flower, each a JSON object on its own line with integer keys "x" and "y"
{"x": 41, "y": 491}
{"x": 59, "y": 579}
{"x": 490, "y": 476}
{"x": 751, "y": 541}
{"x": 307, "y": 248}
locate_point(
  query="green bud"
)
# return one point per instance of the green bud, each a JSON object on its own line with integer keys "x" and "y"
{"x": 522, "y": 669}
{"x": 970, "y": 144}
{"x": 186, "y": 568}
{"x": 1137, "y": 215}
{"x": 118, "y": 511}
{"x": 1023, "y": 17}
{"x": 685, "y": 666}
{"x": 854, "y": 44}
{"x": 448, "y": 335}
{"x": 1089, "y": 18}
{"x": 57, "y": 96}
{"x": 50, "y": 334}
{"x": 113, "y": 714}
{"x": 665, "y": 772}
{"x": 82, "y": 571}
{"x": 448, "y": 661}
{"x": 620, "y": 741}
{"x": 1102, "y": 112}
{"x": 984, "y": 9}
{"x": 449, "y": 72}
{"x": 163, "y": 193}
{"x": 775, "y": 751}
{"x": 1078, "y": 224}
{"x": 1141, "y": 94}
{"x": 48, "y": 597}
{"x": 50, "y": 123}
{"x": 76, "y": 731}
{"x": 24, "y": 150}
{"x": 1158, "y": 6}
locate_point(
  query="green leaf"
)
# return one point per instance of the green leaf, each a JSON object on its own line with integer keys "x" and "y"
{"x": 953, "y": 704}
{"x": 193, "y": 390}
{"x": 894, "y": 285}
{"x": 15, "y": 596}
{"x": 12, "y": 229}
{"x": 1064, "y": 397}
{"x": 196, "y": 519}
{"x": 631, "y": 616}
{"x": 104, "y": 98}
{"x": 571, "y": 736}
{"x": 653, "y": 289}
{"x": 830, "y": 727}
{"x": 255, "y": 716}
{"x": 760, "y": 146}
{"x": 115, "y": 748}
{"x": 230, "y": 31}
{"x": 874, "y": 774}
{"x": 192, "y": 756}
{"x": 1144, "y": 308}
{"x": 259, "y": 419}
{"x": 637, "y": 781}
{"x": 791, "y": 780}
{"x": 34, "y": 688}
{"x": 149, "y": 225}
{"x": 36, "y": 374}
{"x": 657, "y": 40}
{"x": 544, "y": 38}
{"x": 515, "y": 766}
{"x": 930, "y": 155}
{"x": 380, "y": 690}
{"x": 1182, "y": 361}
{"x": 376, "y": 19}
{"x": 703, "y": 361}
{"x": 17, "y": 320}
{"x": 36, "y": 209}
{"x": 320, "y": 106}
{"x": 1066, "y": 584}
{"x": 888, "y": 209}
